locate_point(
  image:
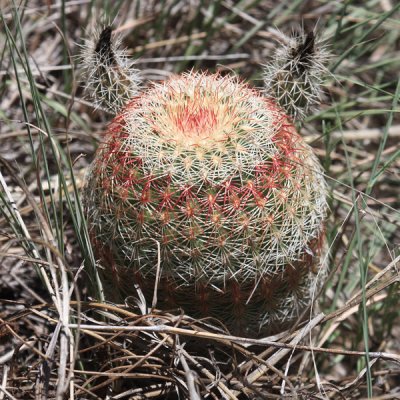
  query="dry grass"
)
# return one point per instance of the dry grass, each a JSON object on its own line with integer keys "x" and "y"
{"x": 57, "y": 340}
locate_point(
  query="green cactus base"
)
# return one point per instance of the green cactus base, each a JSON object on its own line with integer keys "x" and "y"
{"x": 253, "y": 309}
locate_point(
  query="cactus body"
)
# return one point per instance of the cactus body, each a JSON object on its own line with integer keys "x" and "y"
{"x": 217, "y": 175}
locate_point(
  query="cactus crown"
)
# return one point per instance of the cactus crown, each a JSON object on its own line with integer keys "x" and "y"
{"x": 198, "y": 125}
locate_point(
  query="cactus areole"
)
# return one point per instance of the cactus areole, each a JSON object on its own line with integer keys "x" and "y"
{"x": 209, "y": 178}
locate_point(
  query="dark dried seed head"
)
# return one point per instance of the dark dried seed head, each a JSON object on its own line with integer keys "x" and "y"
{"x": 304, "y": 52}
{"x": 104, "y": 46}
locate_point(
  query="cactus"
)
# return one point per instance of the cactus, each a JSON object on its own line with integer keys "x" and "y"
{"x": 293, "y": 78}
{"x": 110, "y": 79}
{"x": 210, "y": 178}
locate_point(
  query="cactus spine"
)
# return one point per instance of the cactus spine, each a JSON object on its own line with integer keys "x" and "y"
{"x": 216, "y": 174}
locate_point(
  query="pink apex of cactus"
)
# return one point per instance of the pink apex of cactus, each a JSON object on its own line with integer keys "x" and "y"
{"x": 217, "y": 175}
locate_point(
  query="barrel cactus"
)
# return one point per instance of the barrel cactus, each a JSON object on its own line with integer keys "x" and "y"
{"x": 203, "y": 183}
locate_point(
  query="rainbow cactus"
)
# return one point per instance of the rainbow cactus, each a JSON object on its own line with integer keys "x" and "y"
{"x": 208, "y": 178}
{"x": 293, "y": 79}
